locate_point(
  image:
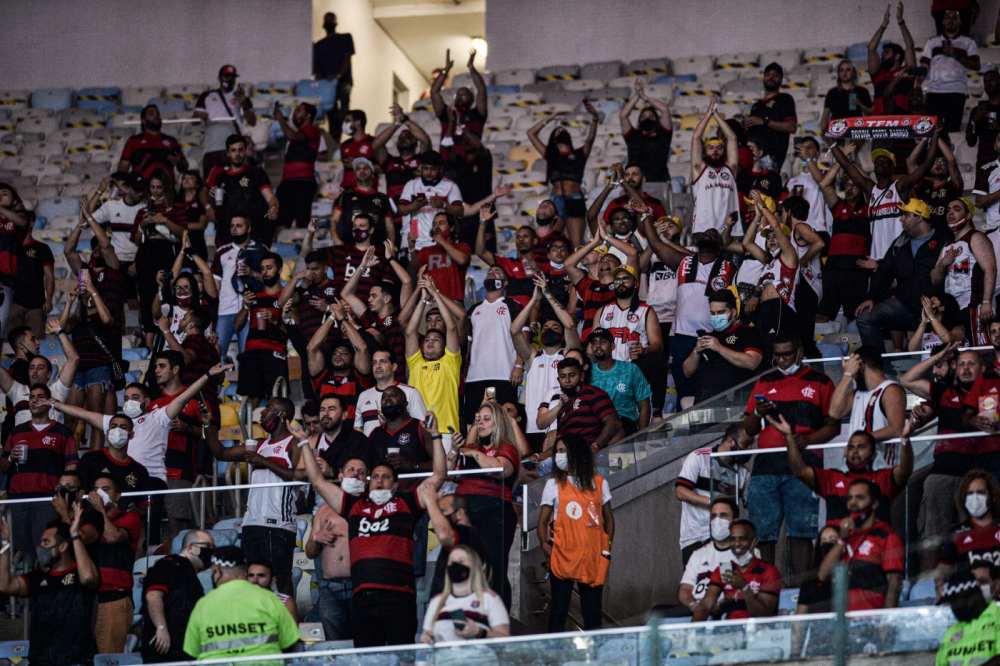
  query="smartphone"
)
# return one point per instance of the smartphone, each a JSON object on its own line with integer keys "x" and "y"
{"x": 725, "y": 567}
{"x": 917, "y": 71}
{"x": 491, "y": 393}
{"x": 701, "y": 332}
{"x": 528, "y": 463}
{"x": 427, "y": 421}
{"x": 761, "y": 398}
{"x": 458, "y": 617}
{"x": 322, "y": 222}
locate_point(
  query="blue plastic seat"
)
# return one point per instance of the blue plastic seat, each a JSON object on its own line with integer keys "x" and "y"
{"x": 169, "y": 105}
{"x": 118, "y": 659}
{"x": 14, "y": 649}
{"x": 325, "y": 90}
{"x": 285, "y": 249}
{"x": 677, "y": 79}
{"x": 50, "y": 348}
{"x": 229, "y": 524}
{"x": 502, "y": 90}
{"x": 98, "y": 97}
{"x": 789, "y": 599}
{"x": 57, "y": 99}
{"x": 134, "y": 354}
{"x": 859, "y": 51}
{"x": 56, "y": 206}
{"x": 924, "y": 590}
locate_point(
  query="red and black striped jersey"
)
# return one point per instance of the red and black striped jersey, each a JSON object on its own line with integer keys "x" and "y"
{"x": 763, "y": 578}
{"x": 266, "y": 335}
{"x": 116, "y": 560}
{"x": 953, "y": 457}
{"x": 181, "y": 447}
{"x": 381, "y": 541}
{"x": 395, "y": 341}
{"x": 345, "y": 259}
{"x": 350, "y": 386}
{"x": 871, "y": 555}
{"x": 593, "y": 296}
{"x": 584, "y": 413}
{"x": 398, "y": 172}
{"x": 310, "y": 319}
{"x": 970, "y": 542}
{"x": 206, "y": 356}
{"x": 832, "y": 486}
{"x": 300, "y": 156}
{"x": 149, "y": 151}
{"x": 49, "y": 451}
{"x": 850, "y": 236}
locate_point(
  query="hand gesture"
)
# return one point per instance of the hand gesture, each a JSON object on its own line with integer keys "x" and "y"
{"x": 96, "y": 501}
{"x": 485, "y": 215}
{"x": 926, "y": 309}
{"x": 541, "y": 284}
{"x": 457, "y": 442}
{"x": 164, "y": 324}
{"x": 899, "y": 13}
{"x": 602, "y": 229}
{"x": 219, "y": 369}
{"x": 337, "y": 310}
{"x": 885, "y": 19}
{"x": 846, "y": 527}
{"x": 639, "y": 206}
{"x": 618, "y": 170}
{"x": 249, "y": 298}
{"x": 734, "y": 578}
{"x": 712, "y": 104}
{"x": 431, "y": 423}
{"x": 437, "y": 202}
{"x": 397, "y": 112}
{"x": 591, "y": 110}
{"x": 390, "y": 250}
{"x": 470, "y": 629}
{"x": 272, "y": 212}
{"x": 74, "y": 526}
{"x": 868, "y": 263}
{"x": 502, "y": 190}
{"x": 849, "y": 148}
{"x": 161, "y": 641}
{"x": 707, "y": 343}
{"x": 472, "y": 57}
{"x": 780, "y": 424}
{"x": 911, "y": 424}
{"x": 296, "y": 431}
{"x": 185, "y": 241}
{"x": 89, "y": 285}
{"x": 71, "y": 297}
{"x": 851, "y": 364}
{"x": 448, "y": 62}
{"x": 426, "y": 493}
{"x": 368, "y": 260}
{"x": 323, "y": 535}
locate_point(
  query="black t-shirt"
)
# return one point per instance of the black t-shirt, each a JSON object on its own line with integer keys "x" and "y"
{"x": 243, "y": 193}
{"x": 475, "y": 178}
{"x": 985, "y": 135}
{"x": 716, "y": 374}
{"x": 350, "y": 444}
{"x": 131, "y": 476}
{"x": 464, "y": 536}
{"x": 61, "y": 618}
{"x": 329, "y": 54}
{"x": 560, "y": 285}
{"x": 354, "y": 201}
{"x": 175, "y": 576}
{"x": 839, "y": 100}
{"x": 406, "y": 438}
{"x": 779, "y": 107}
{"x": 650, "y": 152}
{"x": 29, "y": 285}
{"x": 568, "y": 166}
{"x": 937, "y": 197}
{"x": 815, "y": 594}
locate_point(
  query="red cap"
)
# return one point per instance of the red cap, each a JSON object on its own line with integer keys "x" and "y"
{"x": 228, "y": 70}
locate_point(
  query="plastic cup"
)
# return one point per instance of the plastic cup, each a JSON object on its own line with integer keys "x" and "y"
{"x": 24, "y": 453}
{"x": 393, "y": 450}
{"x": 251, "y": 445}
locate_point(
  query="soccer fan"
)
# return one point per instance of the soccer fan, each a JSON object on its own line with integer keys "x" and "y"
{"x": 359, "y": 144}
{"x": 977, "y": 502}
{"x": 942, "y": 185}
{"x": 649, "y": 145}
{"x": 714, "y": 164}
{"x": 623, "y": 381}
{"x": 246, "y": 192}
{"x": 35, "y": 283}
{"x": 894, "y": 63}
{"x": 263, "y": 360}
{"x": 236, "y": 267}
{"x": 469, "y": 110}
{"x": 39, "y": 372}
{"x": 982, "y": 128}
{"x": 581, "y": 409}
{"x": 744, "y": 587}
{"x": 949, "y": 57}
{"x": 114, "y": 462}
{"x": 449, "y": 517}
{"x": 151, "y": 149}
{"x": 448, "y": 259}
{"x": 332, "y": 57}
{"x": 424, "y": 197}
{"x": 702, "y": 562}
{"x": 362, "y": 199}
{"x": 772, "y": 119}
{"x": 369, "y": 406}
{"x": 401, "y": 168}
{"x": 298, "y": 175}
{"x": 223, "y": 109}
{"x": 967, "y": 268}
{"x": 466, "y": 593}
{"x": 632, "y": 181}
{"x": 261, "y": 573}
{"x": 847, "y": 99}
{"x": 877, "y": 405}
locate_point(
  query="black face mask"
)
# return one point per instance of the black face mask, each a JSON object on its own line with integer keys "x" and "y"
{"x": 360, "y": 235}
{"x": 824, "y": 549}
{"x": 647, "y": 124}
{"x": 551, "y": 338}
{"x": 205, "y": 555}
{"x": 240, "y": 239}
{"x": 571, "y": 391}
{"x": 392, "y": 412}
{"x": 493, "y": 285}
{"x": 458, "y": 572}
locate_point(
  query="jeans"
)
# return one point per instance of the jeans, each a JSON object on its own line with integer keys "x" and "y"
{"x": 224, "y": 327}
{"x": 590, "y": 604}
{"x": 681, "y": 347}
{"x": 333, "y": 608}
{"x": 891, "y": 314}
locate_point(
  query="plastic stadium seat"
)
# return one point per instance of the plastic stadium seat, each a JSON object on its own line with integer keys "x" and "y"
{"x": 787, "y": 58}
{"x": 543, "y": 88}
{"x": 88, "y": 119}
{"x": 492, "y": 91}
{"x": 693, "y": 660}
{"x": 274, "y": 87}
{"x": 56, "y": 99}
{"x": 743, "y": 90}
{"x": 325, "y": 90}
{"x": 526, "y": 153}
{"x": 694, "y": 65}
{"x": 570, "y": 98}
{"x": 788, "y": 600}
{"x": 737, "y": 61}
{"x": 648, "y": 66}
{"x": 823, "y": 54}
{"x": 520, "y": 99}
{"x": 719, "y": 77}
{"x": 190, "y": 91}
{"x": 923, "y": 590}
{"x": 37, "y": 171}
{"x": 97, "y": 97}
{"x": 558, "y": 73}
{"x": 44, "y": 148}
{"x": 11, "y": 650}
{"x": 14, "y": 99}
{"x": 583, "y": 85}
{"x": 169, "y": 104}
{"x": 464, "y": 80}
{"x": 989, "y": 56}
{"x": 58, "y": 206}
{"x": 514, "y": 77}
{"x": 622, "y": 94}
{"x": 139, "y": 95}
{"x": 18, "y": 162}
{"x": 602, "y": 70}
{"x": 61, "y": 180}
{"x": 69, "y": 135}
{"x": 88, "y": 146}
{"x": 38, "y": 125}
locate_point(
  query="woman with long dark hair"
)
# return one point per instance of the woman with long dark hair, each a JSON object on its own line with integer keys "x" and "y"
{"x": 155, "y": 233}
{"x": 575, "y": 526}
{"x": 190, "y": 211}
{"x": 187, "y": 289}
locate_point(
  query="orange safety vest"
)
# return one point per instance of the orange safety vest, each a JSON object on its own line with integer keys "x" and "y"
{"x": 578, "y": 536}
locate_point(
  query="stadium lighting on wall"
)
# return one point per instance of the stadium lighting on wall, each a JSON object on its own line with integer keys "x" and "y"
{"x": 480, "y": 45}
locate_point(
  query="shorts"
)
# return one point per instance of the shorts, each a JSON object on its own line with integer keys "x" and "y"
{"x": 258, "y": 371}
{"x": 178, "y": 505}
{"x": 937, "y": 510}
{"x": 28, "y": 522}
{"x": 772, "y": 498}
{"x": 272, "y": 543}
{"x": 569, "y": 205}
{"x": 86, "y": 378}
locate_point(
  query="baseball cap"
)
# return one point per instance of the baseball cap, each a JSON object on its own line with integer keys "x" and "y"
{"x": 766, "y": 231}
{"x": 135, "y": 182}
{"x": 228, "y": 70}
{"x": 362, "y": 160}
{"x": 228, "y": 557}
{"x": 676, "y": 221}
{"x": 775, "y": 67}
{"x": 768, "y": 202}
{"x": 632, "y": 273}
{"x": 882, "y": 152}
{"x": 917, "y": 207}
{"x": 969, "y": 206}
{"x": 600, "y": 333}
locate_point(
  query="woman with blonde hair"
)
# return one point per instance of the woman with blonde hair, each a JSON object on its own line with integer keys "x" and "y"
{"x": 467, "y": 608}
{"x": 491, "y": 444}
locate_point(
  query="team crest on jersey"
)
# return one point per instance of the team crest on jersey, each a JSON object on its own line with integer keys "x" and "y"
{"x": 633, "y": 318}
{"x": 49, "y": 441}
{"x": 731, "y": 340}
{"x": 724, "y": 175}
{"x": 329, "y": 291}
{"x": 576, "y": 404}
{"x": 620, "y": 387}
{"x": 866, "y": 548}
{"x": 387, "y": 321}
{"x": 131, "y": 480}
{"x": 808, "y": 392}
{"x": 718, "y": 283}
{"x": 404, "y": 439}
{"x": 609, "y": 316}
{"x": 68, "y": 579}
{"x": 711, "y": 175}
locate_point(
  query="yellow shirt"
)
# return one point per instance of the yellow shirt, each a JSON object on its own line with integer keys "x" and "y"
{"x": 437, "y": 382}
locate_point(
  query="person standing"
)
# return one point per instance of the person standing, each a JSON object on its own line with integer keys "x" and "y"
{"x": 150, "y": 149}
{"x": 114, "y": 462}
{"x": 649, "y": 144}
{"x": 469, "y": 111}
{"x": 362, "y": 199}
{"x": 982, "y": 128}
{"x": 263, "y": 359}
{"x": 448, "y": 259}
{"x": 332, "y": 61}
{"x": 772, "y": 119}
{"x": 581, "y": 409}
{"x": 847, "y": 99}
{"x": 369, "y": 407}
{"x": 435, "y": 363}
{"x": 576, "y": 541}
{"x": 34, "y": 286}
{"x": 621, "y": 380}
{"x": 298, "y": 175}
{"x": 236, "y": 267}
{"x": 360, "y": 144}
{"x": 224, "y": 110}
{"x": 246, "y": 192}
{"x": 950, "y": 56}
{"x": 967, "y": 268}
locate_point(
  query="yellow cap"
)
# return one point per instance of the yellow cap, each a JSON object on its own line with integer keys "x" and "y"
{"x": 882, "y": 152}
{"x": 768, "y": 202}
{"x": 676, "y": 221}
{"x": 766, "y": 231}
{"x": 632, "y": 273}
{"x": 969, "y": 206}
{"x": 917, "y": 207}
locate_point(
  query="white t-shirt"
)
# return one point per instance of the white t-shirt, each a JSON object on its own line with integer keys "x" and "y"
{"x": 714, "y": 199}
{"x": 274, "y": 506}
{"x": 804, "y": 186}
{"x": 227, "y": 258}
{"x": 550, "y": 493}
{"x": 148, "y": 445}
{"x": 868, "y": 414}
{"x": 445, "y": 189}
{"x": 120, "y": 217}
{"x": 637, "y": 240}
{"x": 661, "y": 292}
{"x": 488, "y": 614}
{"x": 217, "y": 131}
{"x": 750, "y": 270}
{"x": 19, "y": 393}
{"x": 947, "y": 74}
{"x": 991, "y": 172}
{"x": 707, "y": 477}
{"x": 370, "y": 404}
{"x": 491, "y": 352}
{"x": 542, "y": 380}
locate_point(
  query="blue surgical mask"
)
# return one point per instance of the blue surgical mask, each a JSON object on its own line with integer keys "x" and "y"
{"x": 720, "y": 322}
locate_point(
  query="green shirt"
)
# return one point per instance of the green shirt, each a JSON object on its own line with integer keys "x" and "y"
{"x": 625, "y": 385}
{"x": 971, "y": 643}
{"x": 238, "y": 619}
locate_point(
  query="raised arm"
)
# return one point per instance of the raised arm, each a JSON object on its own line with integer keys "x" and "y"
{"x": 826, "y": 183}
{"x": 177, "y": 405}
{"x": 315, "y": 358}
{"x": 70, "y": 250}
{"x": 949, "y": 157}
{"x": 452, "y": 342}
{"x": 853, "y": 172}
{"x": 572, "y": 261}
{"x": 485, "y": 215}
{"x": 732, "y": 144}
{"x": 626, "y": 111}
{"x": 329, "y": 491}
{"x": 910, "y": 180}
{"x": 874, "y": 62}
{"x": 521, "y": 345}
{"x": 537, "y": 128}
{"x": 478, "y": 83}
{"x": 668, "y": 252}
{"x": 913, "y": 380}
{"x": 697, "y": 148}
{"x": 594, "y": 212}
{"x": 595, "y": 120}
{"x": 358, "y": 307}
{"x": 909, "y": 52}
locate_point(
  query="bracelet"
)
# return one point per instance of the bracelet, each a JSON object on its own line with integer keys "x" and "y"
{"x": 519, "y": 366}
{"x": 406, "y": 118}
{"x": 161, "y": 626}
{"x": 436, "y": 437}
{"x": 76, "y": 538}
{"x": 847, "y": 374}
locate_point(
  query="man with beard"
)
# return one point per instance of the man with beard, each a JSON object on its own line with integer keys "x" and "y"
{"x": 245, "y": 189}
{"x": 972, "y": 639}
{"x": 345, "y": 259}
{"x": 983, "y": 127}
{"x": 772, "y": 119}
{"x": 945, "y": 394}
{"x": 632, "y": 181}
{"x": 977, "y": 408}
{"x": 378, "y": 313}
{"x": 236, "y": 267}
{"x": 894, "y": 63}
{"x": 401, "y": 441}
{"x": 349, "y": 370}
{"x": 369, "y": 407}
{"x": 885, "y": 195}
{"x": 424, "y": 197}
{"x": 337, "y": 443}
{"x": 223, "y": 110}
{"x": 360, "y": 144}
{"x": 401, "y": 168}
{"x": 714, "y": 164}
{"x": 867, "y": 544}
{"x": 469, "y": 112}
{"x": 471, "y": 163}
{"x": 150, "y": 149}
{"x": 701, "y": 562}
{"x": 622, "y": 381}
{"x": 949, "y": 57}
{"x": 263, "y": 359}
{"x": 118, "y": 215}
{"x": 542, "y": 374}
{"x": 943, "y": 183}
{"x": 859, "y": 457}
{"x": 548, "y": 228}
{"x": 581, "y": 409}
{"x": 362, "y": 198}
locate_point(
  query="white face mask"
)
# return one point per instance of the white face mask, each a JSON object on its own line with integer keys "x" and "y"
{"x": 132, "y": 408}
{"x": 775, "y": 252}
{"x": 104, "y": 497}
{"x": 562, "y": 461}
{"x": 380, "y": 496}
{"x": 352, "y": 486}
{"x": 347, "y": 128}
{"x": 987, "y": 591}
{"x": 556, "y": 266}
{"x": 719, "y": 528}
{"x": 791, "y": 370}
{"x": 745, "y": 558}
{"x": 975, "y": 504}
{"x": 118, "y": 437}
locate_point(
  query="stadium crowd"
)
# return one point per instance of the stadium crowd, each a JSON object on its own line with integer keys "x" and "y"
{"x": 562, "y": 355}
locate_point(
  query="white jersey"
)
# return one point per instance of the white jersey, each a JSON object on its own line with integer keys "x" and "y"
{"x": 714, "y": 199}
{"x": 120, "y": 217}
{"x": 661, "y": 291}
{"x": 811, "y": 272}
{"x": 370, "y": 405}
{"x": 700, "y": 566}
{"x": 886, "y": 226}
{"x": 691, "y": 312}
{"x": 541, "y": 381}
{"x": 804, "y": 186}
{"x": 148, "y": 445}
{"x": 958, "y": 280}
{"x": 445, "y": 189}
{"x": 491, "y": 351}
{"x": 868, "y": 414}
{"x": 273, "y": 506}
{"x": 707, "y": 477}
{"x": 784, "y": 279}
{"x": 946, "y": 74}
{"x": 750, "y": 270}
{"x": 987, "y": 182}
{"x": 488, "y": 614}
{"x": 626, "y": 325}
{"x": 19, "y": 394}
{"x": 222, "y": 115}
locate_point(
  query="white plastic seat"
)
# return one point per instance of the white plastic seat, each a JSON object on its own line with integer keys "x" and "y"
{"x": 464, "y": 80}
{"x": 38, "y": 125}
{"x": 43, "y": 148}
{"x": 520, "y": 99}
{"x": 61, "y": 179}
{"x": 602, "y": 70}
{"x": 787, "y": 58}
{"x": 514, "y": 77}
{"x": 737, "y": 61}
{"x": 649, "y": 66}
{"x": 558, "y": 73}
{"x": 12, "y": 99}
{"x": 694, "y": 65}
{"x": 69, "y": 135}
{"x": 583, "y": 85}
{"x": 743, "y": 90}
{"x": 185, "y": 91}
{"x": 823, "y": 53}
{"x": 719, "y": 77}
{"x": 140, "y": 95}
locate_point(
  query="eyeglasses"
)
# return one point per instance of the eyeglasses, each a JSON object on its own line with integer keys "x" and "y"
{"x": 182, "y": 287}
{"x": 622, "y": 279}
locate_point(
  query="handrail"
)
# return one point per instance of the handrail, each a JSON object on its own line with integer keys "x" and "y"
{"x": 920, "y": 352}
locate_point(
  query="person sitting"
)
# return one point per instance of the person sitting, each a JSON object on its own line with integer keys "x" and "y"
{"x": 814, "y": 594}
{"x": 467, "y": 608}
{"x": 975, "y": 538}
{"x": 749, "y": 586}
{"x": 705, "y": 560}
